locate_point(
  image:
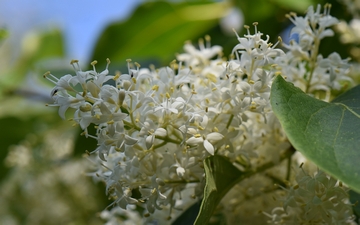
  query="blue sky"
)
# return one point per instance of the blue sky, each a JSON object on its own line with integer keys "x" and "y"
{"x": 81, "y": 20}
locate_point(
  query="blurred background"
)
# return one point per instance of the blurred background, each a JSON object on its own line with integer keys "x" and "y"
{"x": 42, "y": 169}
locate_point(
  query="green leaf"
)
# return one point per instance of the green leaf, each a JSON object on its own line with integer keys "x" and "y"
{"x": 36, "y": 47}
{"x": 354, "y": 200}
{"x": 295, "y": 4}
{"x": 3, "y": 34}
{"x": 326, "y": 133}
{"x": 188, "y": 216}
{"x": 13, "y": 131}
{"x": 157, "y": 30}
{"x": 221, "y": 176}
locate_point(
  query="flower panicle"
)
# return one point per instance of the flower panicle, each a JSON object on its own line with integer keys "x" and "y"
{"x": 154, "y": 127}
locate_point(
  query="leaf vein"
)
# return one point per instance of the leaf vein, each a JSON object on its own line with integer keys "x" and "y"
{"x": 346, "y": 107}
{"x": 310, "y": 118}
{"x": 335, "y": 139}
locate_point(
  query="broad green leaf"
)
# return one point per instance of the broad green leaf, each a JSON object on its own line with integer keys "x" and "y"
{"x": 296, "y": 5}
{"x": 157, "y": 30}
{"x": 326, "y": 133}
{"x": 37, "y": 46}
{"x": 354, "y": 200}
{"x": 3, "y": 34}
{"x": 188, "y": 216}
{"x": 221, "y": 176}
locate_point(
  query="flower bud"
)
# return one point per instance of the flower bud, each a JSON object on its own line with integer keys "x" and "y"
{"x": 122, "y": 95}
{"x": 126, "y": 85}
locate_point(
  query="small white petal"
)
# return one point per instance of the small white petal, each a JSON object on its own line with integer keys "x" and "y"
{"x": 129, "y": 140}
{"x": 209, "y": 147}
{"x": 182, "y": 129}
{"x": 180, "y": 171}
{"x": 191, "y": 131}
{"x": 204, "y": 121}
{"x": 119, "y": 116}
{"x": 162, "y": 196}
{"x": 194, "y": 141}
{"x": 132, "y": 200}
{"x": 161, "y": 132}
{"x": 245, "y": 86}
{"x": 173, "y": 110}
{"x": 135, "y": 162}
{"x": 257, "y": 86}
{"x": 102, "y": 156}
{"x": 214, "y": 137}
{"x": 149, "y": 141}
{"x": 150, "y": 206}
{"x": 104, "y": 109}
{"x": 122, "y": 203}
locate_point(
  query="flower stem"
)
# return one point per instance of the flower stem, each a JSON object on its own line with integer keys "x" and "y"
{"x": 287, "y": 154}
{"x": 313, "y": 61}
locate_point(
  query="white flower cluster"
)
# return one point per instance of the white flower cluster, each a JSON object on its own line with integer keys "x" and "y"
{"x": 304, "y": 66}
{"x": 350, "y": 30}
{"x": 154, "y": 127}
{"x": 317, "y": 199}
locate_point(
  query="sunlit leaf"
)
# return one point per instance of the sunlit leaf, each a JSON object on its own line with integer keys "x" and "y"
{"x": 3, "y": 34}
{"x": 36, "y": 46}
{"x": 326, "y": 133}
{"x": 295, "y": 4}
{"x": 157, "y": 30}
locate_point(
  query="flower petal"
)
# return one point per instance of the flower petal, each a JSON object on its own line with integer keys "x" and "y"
{"x": 194, "y": 141}
{"x": 180, "y": 171}
{"x": 161, "y": 132}
{"x": 130, "y": 140}
{"x": 214, "y": 137}
{"x": 209, "y": 147}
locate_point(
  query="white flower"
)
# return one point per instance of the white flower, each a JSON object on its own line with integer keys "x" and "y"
{"x": 317, "y": 198}
{"x": 337, "y": 67}
{"x": 153, "y": 195}
{"x": 166, "y": 107}
{"x": 65, "y": 101}
{"x": 194, "y": 57}
{"x": 64, "y": 83}
{"x": 255, "y": 52}
{"x": 124, "y": 195}
{"x": 160, "y": 132}
{"x": 208, "y": 142}
{"x": 350, "y": 33}
{"x": 116, "y": 136}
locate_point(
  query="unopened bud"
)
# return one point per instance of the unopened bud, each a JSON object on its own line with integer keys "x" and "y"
{"x": 126, "y": 85}
{"x": 122, "y": 95}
